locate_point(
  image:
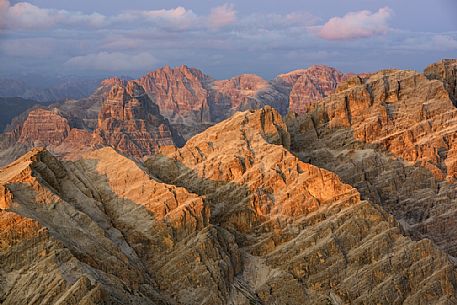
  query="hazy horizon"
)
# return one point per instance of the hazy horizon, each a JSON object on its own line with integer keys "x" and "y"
{"x": 221, "y": 38}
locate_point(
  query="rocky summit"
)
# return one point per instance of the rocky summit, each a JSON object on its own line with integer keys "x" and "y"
{"x": 131, "y": 123}
{"x": 317, "y": 187}
{"x": 309, "y": 85}
{"x": 446, "y": 71}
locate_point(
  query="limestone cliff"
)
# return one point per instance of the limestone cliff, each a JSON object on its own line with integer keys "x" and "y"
{"x": 391, "y": 135}
{"x": 180, "y": 93}
{"x": 445, "y": 71}
{"x": 309, "y": 85}
{"x": 244, "y": 92}
{"x": 132, "y": 124}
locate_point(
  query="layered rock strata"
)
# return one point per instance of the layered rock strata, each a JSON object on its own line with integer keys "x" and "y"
{"x": 391, "y": 135}
{"x": 132, "y": 124}
{"x": 309, "y": 85}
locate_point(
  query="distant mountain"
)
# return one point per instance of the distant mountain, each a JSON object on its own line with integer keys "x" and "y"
{"x": 126, "y": 120}
{"x": 60, "y": 90}
{"x": 192, "y": 100}
{"x": 187, "y": 101}
{"x": 12, "y": 107}
{"x": 309, "y": 85}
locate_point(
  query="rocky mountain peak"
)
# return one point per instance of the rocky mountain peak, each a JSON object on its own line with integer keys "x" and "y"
{"x": 180, "y": 93}
{"x": 131, "y": 122}
{"x": 306, "y": 86}
{"x": 111, "y": 81}
{"x": 446, "y": 71}
{"x": 44, "y": 127}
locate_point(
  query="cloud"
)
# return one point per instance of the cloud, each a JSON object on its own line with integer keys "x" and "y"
{"x": 28, "y": 47}
{"x": 178, "y": 17}
{"x": 355, "y": 25}
{"x": 444, "y": 42}
{"x": 113, "y": 62}
{"x": 222, "y": 16}
{"x": 24, "y": 15}
{"x": 301, "y": 18}
{"x": 429, "y": 42}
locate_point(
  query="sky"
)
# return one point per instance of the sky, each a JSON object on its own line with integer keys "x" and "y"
{"x": 223, "y": 38}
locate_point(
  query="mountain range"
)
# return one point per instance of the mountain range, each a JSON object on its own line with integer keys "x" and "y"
{"x": 316, "y": 187}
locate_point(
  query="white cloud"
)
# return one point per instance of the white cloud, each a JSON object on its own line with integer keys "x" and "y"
{"x": 178, "y": 17}
{"x": 113, "y": 62}
{"x": 354, "y": 25}
{"x": 222, "y": 16}
{"x": 24, "y": 15}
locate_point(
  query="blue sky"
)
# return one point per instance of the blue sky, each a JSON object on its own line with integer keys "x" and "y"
{"x": 223, "y": 38}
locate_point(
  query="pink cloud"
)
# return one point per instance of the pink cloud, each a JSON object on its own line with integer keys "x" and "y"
{"x": 354, "y": 25}
{"x": 222, "y": 16}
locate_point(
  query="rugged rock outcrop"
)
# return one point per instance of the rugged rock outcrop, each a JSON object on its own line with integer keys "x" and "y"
{"x": 445, "y": 71}
{"x": 180, "y": 93}
{"x": 83, "y": 113}
{"x": 132, "y": 124}
{"x": 44, "y": 127}
{"x": 309, "y": 85}
{"x": 391, "y": 135}
{"x": 402, "y": 111}
{"x": 244, "y": 92}
{"x": 304, "y": 236}
{"x": 79, "y": 233}
{"x": 193, "y": 101}
{"x": 58, "y": 247}
{"x": 127, "y": 120}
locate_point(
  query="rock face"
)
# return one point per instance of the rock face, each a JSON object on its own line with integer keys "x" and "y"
{"x": 307, "y": 86}
{"x": 180, "y": 93}
{"x": 83, "y": 113}
{"x": 445, "y": 71}
{"x": 131, "y": 123}
{"x": 404, "y": 112}
{"x": 43, "y": 127}
{"x": 59, "y": 238}
{"x": 392, "y": 135}
{"x": 244, "y": 92}
{"x": 193, "y": 101}
{"x": 127, "y": 120}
